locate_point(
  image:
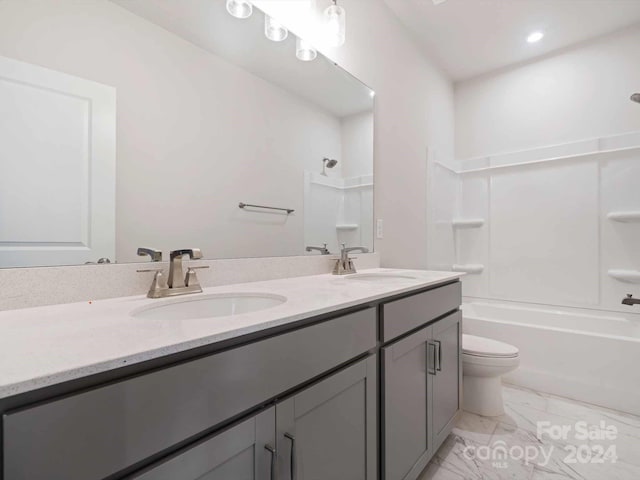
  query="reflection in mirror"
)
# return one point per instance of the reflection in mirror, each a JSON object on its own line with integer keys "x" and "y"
{"x": 146, "y": 123}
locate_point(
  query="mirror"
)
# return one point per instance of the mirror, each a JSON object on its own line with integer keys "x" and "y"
{"x": 150, "y": 123}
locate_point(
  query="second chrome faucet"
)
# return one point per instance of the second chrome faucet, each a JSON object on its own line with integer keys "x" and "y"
{"x": 178, "y": 283}
{"x": 344, "y": 265}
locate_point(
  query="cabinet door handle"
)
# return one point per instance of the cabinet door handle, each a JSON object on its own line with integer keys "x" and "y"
{"x": 438, "y": 355}
{"x": 431, "y": 358}
{"x": 292, "y": 456}
{"x": 272, "y": 468}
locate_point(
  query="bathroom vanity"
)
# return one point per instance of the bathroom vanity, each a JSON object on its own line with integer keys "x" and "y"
{"x": 332, "y": 377}
{"x": 351, "y": 378}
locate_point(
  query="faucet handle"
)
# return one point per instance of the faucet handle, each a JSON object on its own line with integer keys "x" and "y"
{"x": 191, "y": 280}
{"x": 159, "y": 285}
{"x": 156, "y": 255}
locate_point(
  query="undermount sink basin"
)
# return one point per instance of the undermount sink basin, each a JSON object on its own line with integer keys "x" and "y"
{"x": 208, "y": 306}
{"x": 379, "y": 277}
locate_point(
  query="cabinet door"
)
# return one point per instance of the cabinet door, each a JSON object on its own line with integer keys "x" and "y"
{"x": 328, "y": 431}
{"x": 407, "y": 406}
{"x": 243, "y": 452}
{"x": 447, "y": 337}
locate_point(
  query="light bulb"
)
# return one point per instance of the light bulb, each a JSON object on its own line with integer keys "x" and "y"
{"x": 335, "y": 25}
{"x": 239, "y": 8}
{"x": 535, "y": 37}
{"x": 274, "y": 30}
{"x": 305, "y": 51}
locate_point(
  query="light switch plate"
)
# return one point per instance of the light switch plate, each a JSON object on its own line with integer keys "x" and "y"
{"x": 379, "y": 231}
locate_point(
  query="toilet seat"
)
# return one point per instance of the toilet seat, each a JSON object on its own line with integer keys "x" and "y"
{"x": 498, "y": 362}
{"x": 473, "y": 346}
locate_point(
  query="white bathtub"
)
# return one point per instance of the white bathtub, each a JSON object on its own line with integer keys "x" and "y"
{"x": 581, "y": 354}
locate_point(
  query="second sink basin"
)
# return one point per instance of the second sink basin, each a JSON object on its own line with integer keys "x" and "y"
{"x": 208, "y": 306}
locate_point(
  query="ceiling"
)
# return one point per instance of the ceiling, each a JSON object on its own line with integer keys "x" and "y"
{"x": 471, "y": 37}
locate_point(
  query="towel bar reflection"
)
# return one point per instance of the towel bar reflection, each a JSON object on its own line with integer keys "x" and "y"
{"x": 288, "y": 210}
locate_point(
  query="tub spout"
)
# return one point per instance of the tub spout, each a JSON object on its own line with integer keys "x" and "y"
{"x": 629, "y": 300}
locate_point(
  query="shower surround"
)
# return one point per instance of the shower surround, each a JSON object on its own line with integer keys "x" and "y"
{"x": 554, "y": 229}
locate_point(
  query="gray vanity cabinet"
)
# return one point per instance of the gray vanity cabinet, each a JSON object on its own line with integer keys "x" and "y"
{"x": 304, "y": 402}
{"x": 407, "y": 406}
{"x": 328, "y": 431}
{"x": 325, "y": 431}
{"x": 96, "y": 433}
{"x": 447, "y": 381}
{"x": 421, "y": 379}
{"x": 243, "y": 452}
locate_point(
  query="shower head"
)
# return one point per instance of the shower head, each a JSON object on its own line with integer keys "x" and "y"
{"x": 328, "y": 163}
{"x": 635, "y": 97}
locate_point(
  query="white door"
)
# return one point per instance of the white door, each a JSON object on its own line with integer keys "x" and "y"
{"x": 57, "y": 167}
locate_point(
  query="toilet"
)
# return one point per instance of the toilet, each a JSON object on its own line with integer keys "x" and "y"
{"x": 484, "y": 361}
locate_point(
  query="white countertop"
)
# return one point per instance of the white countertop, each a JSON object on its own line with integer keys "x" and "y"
{"x": 49, "y": 345}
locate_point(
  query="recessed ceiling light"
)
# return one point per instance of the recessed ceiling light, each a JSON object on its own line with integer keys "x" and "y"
{"x": 535, "y": 37}
{"x": 438, "y": 2}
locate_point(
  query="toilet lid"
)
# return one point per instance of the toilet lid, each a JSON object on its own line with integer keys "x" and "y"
{"x": 486, "y": 347}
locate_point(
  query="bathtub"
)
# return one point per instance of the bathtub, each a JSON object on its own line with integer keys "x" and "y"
{"x": 585, "y": 355}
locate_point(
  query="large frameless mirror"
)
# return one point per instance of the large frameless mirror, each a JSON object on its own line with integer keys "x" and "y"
{"x": 166, "y": 124}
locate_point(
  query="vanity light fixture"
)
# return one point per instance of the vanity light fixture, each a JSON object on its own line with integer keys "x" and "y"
{"x": 239, "y": 8}
{"x": 305, "y": 51}
{"x": 274, "y": 30}
{"x": 335, "y": 23}
{"x": 535, "y": 37}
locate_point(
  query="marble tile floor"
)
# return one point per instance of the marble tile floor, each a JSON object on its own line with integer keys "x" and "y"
{"x": 578, "y": 442}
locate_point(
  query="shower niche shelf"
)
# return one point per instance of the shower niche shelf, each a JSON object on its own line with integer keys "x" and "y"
{"x": 347, "y": 226}
{"x": 471, "y": 268}
{"x": 467, "y": 222}
{"x": 625, "y": 216}
{"x": 627, "y": 276}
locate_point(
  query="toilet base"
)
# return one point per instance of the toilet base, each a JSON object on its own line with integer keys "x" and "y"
{"x": 483, "y": 395}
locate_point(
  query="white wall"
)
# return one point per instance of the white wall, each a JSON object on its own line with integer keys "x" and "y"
{"x": 195, "y": 134}
{"x": 577, "y": 94}
{"x": 414, "y": 110}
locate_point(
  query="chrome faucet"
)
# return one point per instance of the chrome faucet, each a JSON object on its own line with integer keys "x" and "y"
{"x": 323, "y": 250}
{"x": 176, "y": 277}
{"x": 344, "y": 265}
{"x": 156, "y": 255}
{"x": 177, "y": 283}
{"x": 629, "y": 300}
